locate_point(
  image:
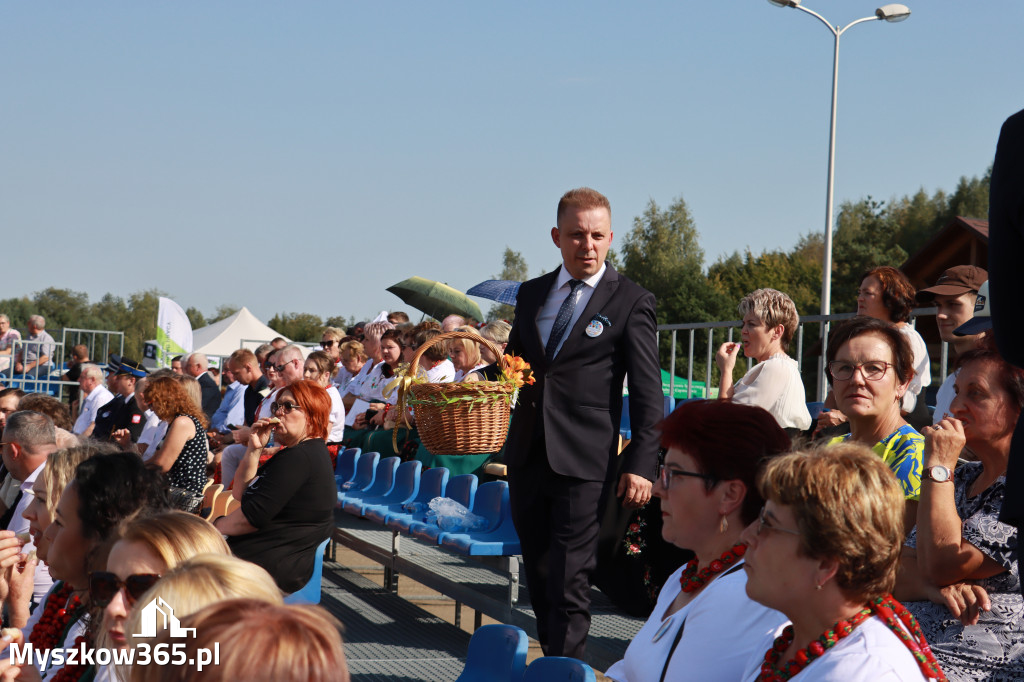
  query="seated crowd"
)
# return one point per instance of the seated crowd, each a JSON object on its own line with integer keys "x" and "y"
{"x": 873, "y": 553}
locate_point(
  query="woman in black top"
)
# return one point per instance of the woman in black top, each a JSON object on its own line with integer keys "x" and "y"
{"x": 287, "y": 508}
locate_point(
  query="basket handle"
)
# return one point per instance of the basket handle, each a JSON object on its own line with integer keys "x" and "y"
{"x": 414, "y": 366}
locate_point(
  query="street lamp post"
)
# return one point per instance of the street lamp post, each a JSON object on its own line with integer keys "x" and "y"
{"x": 891, "y": 13}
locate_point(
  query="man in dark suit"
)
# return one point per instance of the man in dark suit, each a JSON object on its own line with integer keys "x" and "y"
{"x": 582, "y": 328}
{"x": 196, "y": 365}
{"x": 1006, "y": 282}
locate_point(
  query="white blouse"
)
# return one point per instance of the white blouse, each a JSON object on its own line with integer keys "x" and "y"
{"x": 871, "y": 653}
{"x": 723, "y": 628}
{"x": 775, "y": 385}
{"x": 922, "y": 367}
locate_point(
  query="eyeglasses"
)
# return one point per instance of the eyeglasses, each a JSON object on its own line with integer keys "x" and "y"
{"x": 762, "y": 523}
{"x": 280, "y": 368}
{"x": 327, "y": 344}
{"x": 665, "y": 475}
{"x": 873, "y": 369}
{"x": 287, "y": 407}
{"x": 104, "y": 586}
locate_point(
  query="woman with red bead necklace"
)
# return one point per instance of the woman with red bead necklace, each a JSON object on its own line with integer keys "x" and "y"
{"x": 704, "y": 627}
{"x": 105, "y": 490}
{"x": 824, "y": 551}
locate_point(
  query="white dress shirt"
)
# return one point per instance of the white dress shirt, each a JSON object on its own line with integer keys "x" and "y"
{"x": 19, "y": 524}
{"x": 549, "y": 311}
{"x": 92, "y": 402}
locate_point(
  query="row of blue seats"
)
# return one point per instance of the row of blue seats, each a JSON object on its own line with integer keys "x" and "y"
{"x": 380, "y": 489}
{"x": 497, "y": 653}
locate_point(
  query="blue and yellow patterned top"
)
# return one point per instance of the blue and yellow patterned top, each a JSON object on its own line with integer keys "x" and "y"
{"x": 903, "y": 451}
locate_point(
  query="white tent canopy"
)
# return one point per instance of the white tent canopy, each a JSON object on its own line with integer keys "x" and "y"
{"x": 241, "y": 330}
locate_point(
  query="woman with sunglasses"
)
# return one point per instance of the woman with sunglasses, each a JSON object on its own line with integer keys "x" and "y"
{"x": 870, "y": 366}
{"x": 106, "y": 490}
{"x": 148, "y": 548}
{"x": 824, "y": 551}
{"x": 287, "y": 507}
{"x": 704, "y": 627}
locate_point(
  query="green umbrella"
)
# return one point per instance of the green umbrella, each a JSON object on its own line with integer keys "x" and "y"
{"x": 435, "y": 299}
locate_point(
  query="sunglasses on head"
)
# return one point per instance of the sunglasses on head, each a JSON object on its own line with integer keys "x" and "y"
{"x": 104, "y": 586}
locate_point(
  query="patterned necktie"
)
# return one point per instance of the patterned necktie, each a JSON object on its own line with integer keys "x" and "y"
{"x": 562, "y": 319}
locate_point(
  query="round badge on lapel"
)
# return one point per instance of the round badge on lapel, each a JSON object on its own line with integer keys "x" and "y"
{"x": 595, "y": 328}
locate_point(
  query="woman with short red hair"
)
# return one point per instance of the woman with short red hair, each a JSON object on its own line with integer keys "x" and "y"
{"x": 287, "y": 508}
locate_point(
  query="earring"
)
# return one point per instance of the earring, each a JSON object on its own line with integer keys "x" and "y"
{"x": 817, "y": 587}
{"x": 724, "y": 526}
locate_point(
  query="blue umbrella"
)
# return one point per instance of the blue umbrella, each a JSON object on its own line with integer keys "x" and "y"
{"x": 500, "y": 290}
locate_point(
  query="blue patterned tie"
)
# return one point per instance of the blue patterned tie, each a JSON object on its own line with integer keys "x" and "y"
{"x": 562, "y": 319}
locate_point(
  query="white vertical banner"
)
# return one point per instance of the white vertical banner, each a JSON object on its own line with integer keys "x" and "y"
{"x": 173, "y": 332}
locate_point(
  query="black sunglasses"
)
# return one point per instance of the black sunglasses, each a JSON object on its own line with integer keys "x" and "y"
{"x": 327, "y": 344}
{"x": 104, "y": 586}
{"x": 287, "y": 407}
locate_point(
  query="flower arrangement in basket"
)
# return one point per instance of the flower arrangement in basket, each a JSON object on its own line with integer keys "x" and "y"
{"x": 461, "y": 418}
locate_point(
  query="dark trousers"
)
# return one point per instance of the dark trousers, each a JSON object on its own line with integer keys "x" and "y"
{"x": 557, "y": 519}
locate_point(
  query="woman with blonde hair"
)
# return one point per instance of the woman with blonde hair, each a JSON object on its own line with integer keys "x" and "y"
{"x": 258, "y": 641}
{"x": 465, "y": 355}
{"x": 824, "y": 551}
{"x": 769, "y": 322}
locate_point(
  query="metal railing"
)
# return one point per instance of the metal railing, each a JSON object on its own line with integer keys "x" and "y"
{"x": 692, "y": 329}
{"x": 101, "y": 343}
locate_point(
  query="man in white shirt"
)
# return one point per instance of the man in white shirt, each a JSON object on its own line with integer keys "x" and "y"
{"x": 232, "y": 407}
{"x": 954, "y": 295}
{"x": 29, "y": 438}
{"x": 95, "y": 395}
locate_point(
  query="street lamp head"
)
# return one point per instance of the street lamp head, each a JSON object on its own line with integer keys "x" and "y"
{"x": 893, "y": 13}
{"x": 785, "y": 3}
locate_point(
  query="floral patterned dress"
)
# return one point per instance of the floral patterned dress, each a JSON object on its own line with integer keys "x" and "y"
{"x": 994, "y": 648}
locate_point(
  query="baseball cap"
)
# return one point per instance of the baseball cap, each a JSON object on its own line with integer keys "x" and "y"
{"x": 955, "y": 281}
{"x": 982, "y": 320}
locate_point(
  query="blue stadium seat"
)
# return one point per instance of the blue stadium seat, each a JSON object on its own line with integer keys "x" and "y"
{"x": 310, "y": 592}
{"x": 345, "y": 466}
{"x": 383, "y": 482}
{"x": 461, "y": 489}
{"x": 497, "y": 653}
{"x": 366, "y": 470}
{"x": 558, "y": 668}
{"x": 433, "y": 483}
{"x": 486, "y": 503}
{"x": 500, "y": 539}
{"x": 407, "y": 484}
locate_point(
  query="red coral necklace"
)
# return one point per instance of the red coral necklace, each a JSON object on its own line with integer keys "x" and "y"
{"x": 690, "y": 579}
{"x": 888, "y": 609}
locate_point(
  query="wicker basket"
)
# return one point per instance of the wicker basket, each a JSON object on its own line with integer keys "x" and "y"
{"x": 461, "y": 427}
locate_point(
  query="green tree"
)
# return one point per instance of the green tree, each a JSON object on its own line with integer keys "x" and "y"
{"x": 223, "y": 312}
{"x": 62, "y": 307}
{"x": 867, "y": 237}
{"x": 340, "y": 321}
{"x": 662, "y": 253}
{"x": 195, "y": 318}
{"x": 302, "y": 327}
{"x": 514, "y": 270}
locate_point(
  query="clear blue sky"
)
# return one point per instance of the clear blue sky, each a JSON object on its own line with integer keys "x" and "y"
{"x": 303, "y": 156}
